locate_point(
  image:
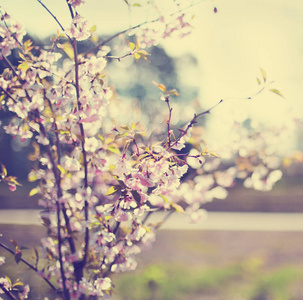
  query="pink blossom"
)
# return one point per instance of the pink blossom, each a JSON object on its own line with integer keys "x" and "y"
{"x": 25, "y": 291}
{"x": 76, "y": 3}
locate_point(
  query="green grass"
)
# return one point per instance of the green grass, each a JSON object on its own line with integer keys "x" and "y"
{"x": 165, "y": 282}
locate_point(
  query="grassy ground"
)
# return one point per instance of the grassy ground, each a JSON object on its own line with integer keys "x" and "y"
{"x": 218, "y": 265}
{"x": 194, "y": 265}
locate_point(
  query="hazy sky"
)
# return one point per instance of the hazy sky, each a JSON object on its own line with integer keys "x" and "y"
{"x": 231, "y": 47}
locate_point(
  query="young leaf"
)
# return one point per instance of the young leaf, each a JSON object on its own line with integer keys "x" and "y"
{"x": 125, "y": 127}
{"x": 4, "y": 171}
{"x": 258, "y": 80}
{"x": 160, "y": 86}
{"x": 23, "y": 66}
{"x": 113, "y": 149}
{"x": 177, "y": 207}
{"x": 277, "y": 92}
{"x": 93, "y": 29}
{"x": 113, "y": 189}
{"x": 18, "y": 283}
{"x": 174, "y": 92}
{"x": 263, "y": 74}
{"x": 61, "y": 169}
{"x": 68, "y": 49}
{"x": 131, "y": 46}
{"x": 33, "y": 192}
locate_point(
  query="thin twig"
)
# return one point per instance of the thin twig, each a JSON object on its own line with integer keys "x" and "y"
{"x": 29, "y": 265}
{"x": 8, "y": 63}
{"x": 8, "y": 94}
{"x": 138, "y": 26}
{"x": 7, "y": 292}
{"x": 53, "y": 16}
{"x": 166, "y": 217}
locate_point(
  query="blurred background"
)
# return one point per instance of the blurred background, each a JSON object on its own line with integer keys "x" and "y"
{"x": 220, "y": 59}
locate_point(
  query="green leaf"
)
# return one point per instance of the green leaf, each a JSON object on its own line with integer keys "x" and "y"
{"x": 61, "y": 169}
{"x": 4, "y": 171}
{"x": 177, "y": 207}
{"x": 277, "y": 92}
{"x": 173, "y": 92}
{"x": 125, "y": 127}
{"x": 101, "y": 138}
{"x": 132, "y": 46}
{"x": 137, "y": 4}
{"x": 18, "y": 283}
{"x": 258, "y": 80}
{"x": 160, "y": 86}
{"x": 69, "y": 50}
{"x": 23, "y": 66}
{"x": 137, "y": 56}
{"x": 93, "y": 29}
{"x": 113, "y": 149}
{"x": 118, "y": 136}
{"x": 8, "y": 279}
{"x": 32, "y": 178}
{"x": 263, "y": 74}
{"x": 113, "y": 189}
{"x": 164, "y": 198}
{"x": 33, "y": 192}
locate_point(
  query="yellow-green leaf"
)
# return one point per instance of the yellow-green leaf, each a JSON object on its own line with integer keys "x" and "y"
{"x": 137, "y": 56}
{"x": 18, "y": 283}
{"x": 33, "y": 192}
{"x": 93, "y": 29}
{"x": 164, "y": 198}
{"x": 160, "y": 86}
{"x": 23, "y": 66}
{"x": 113, "y": 149}
{"x": 277, "y": 92}
{"x": 32, "y": 178}
{"x": 4, "y": 171}
{"x": 68, "y": 49}
{"x": 143, "y": 52}
{"x": 174, "y": 92}
{"x": 112, "y": 167}
{"x": 131, "y": 46}
{"x": 125, "y": 127}
{"x": 113, "y": 189}
{"x": 177, "y": 207}
{"x": 101, "y": 138}
{"x": 258, "y": 80}
{"x": 263, "y": 74}
{"x": 61, "y": 169}
{"x": 137, "y": 44}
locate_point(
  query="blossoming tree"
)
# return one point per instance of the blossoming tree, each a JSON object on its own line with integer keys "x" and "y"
{"x": 99, "y": 181}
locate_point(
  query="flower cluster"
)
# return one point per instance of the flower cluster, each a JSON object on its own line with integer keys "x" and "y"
{"x": 98, "y": 181}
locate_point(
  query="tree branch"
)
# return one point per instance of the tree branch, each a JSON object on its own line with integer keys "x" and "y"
{"x": 29, "y": 265}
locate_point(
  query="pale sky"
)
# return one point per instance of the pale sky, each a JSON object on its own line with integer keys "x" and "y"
{"x": 231, "y": 47}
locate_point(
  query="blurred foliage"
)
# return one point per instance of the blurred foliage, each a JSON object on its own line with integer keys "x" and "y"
{"x": 245, "y": 280}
